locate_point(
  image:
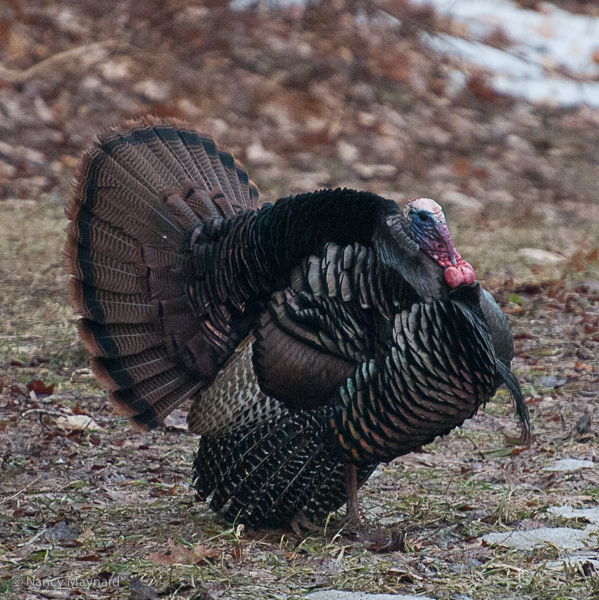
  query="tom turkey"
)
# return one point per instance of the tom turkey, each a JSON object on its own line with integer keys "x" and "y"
{"x": 315, "y": 337}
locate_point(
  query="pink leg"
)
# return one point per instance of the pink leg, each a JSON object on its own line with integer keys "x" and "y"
{"x": 351, "y": 486}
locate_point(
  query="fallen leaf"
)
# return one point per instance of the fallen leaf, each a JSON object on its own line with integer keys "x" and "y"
{"x": 77, "y": 422}
{"x": 40, "y": 388}
{"x": 179, "y": 554}
{"x": 88, "y": 534}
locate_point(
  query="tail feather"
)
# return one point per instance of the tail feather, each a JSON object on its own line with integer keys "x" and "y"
{"x": 109, "y": 307}
{"x": 141, "y": 191}
{"x": 111, "y": 340}
{"x": 166, "y": 144}
{"x": 201, "y": 148}
{"x": 154, "y": 167}
{"x": 109, "y": 274}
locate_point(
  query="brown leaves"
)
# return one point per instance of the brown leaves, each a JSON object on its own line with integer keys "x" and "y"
{"x": 179, "y": 554}
{"x": 40, "y": 388}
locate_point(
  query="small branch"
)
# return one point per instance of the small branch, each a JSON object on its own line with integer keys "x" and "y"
{"x": 16, "y": 77}
{"x": 44, "y": 411}
{"x": 24, "y": 489}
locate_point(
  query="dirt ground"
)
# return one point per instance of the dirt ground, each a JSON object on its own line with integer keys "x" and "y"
{"x": 88, "y": 507}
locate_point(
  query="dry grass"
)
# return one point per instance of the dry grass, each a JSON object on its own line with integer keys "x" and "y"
{"x": 124, "y": 495}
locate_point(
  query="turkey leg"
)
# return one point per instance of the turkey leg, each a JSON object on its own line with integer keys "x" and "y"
{"x": 351, "y": 487}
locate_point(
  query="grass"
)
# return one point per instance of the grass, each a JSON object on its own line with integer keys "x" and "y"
{"x": 125, "y": 494}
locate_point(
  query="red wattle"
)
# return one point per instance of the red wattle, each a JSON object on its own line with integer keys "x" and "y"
{"x": 468, "y": 273}
{"x": 461, "y": 273}
{"x": 453, "y": 277}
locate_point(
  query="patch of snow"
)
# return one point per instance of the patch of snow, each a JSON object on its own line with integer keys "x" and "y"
{"x": 565, "y": 538}
{"x": 572, "y": 562}
{"x": 542, "y": 45}
{"x": 567, "y": 512}
{"x": 570, "y": 464}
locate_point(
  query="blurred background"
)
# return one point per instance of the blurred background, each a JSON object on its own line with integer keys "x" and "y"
{"x": 489, "y": 107}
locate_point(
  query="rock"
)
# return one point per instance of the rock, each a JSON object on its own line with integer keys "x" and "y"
{"x": 313, "y": 180}
{"x": 114, "y": 71}
{"x": 19, "y": 202}
{"x": 347, "y": 152}
{"x": 30, "y": 186}
{"x": 591, "y": 285}
{"x": 257, "y": 155}
{"x": 375, "y": 171}
{"x": 21, "y": 153}
{"x": 141, "y": 590}
{"x": 517, "y": 143}
{"x": 338, "y": 595}
{"x": 154, "y": 91}
{"x": 43, "y": 110}
{"x": 6, "y": 170}
{"x": 61, "y": 532}
{"x": 366, "y": 119}
{"x": 500, "y": 197}
{"x": 461, "y": 201}
{"x": 570, "y": 464}
{"x": 75, "y": 422}
{"x": 540, "y": 257}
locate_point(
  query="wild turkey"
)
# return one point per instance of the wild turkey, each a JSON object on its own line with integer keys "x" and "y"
{"x": 315, "y": 337}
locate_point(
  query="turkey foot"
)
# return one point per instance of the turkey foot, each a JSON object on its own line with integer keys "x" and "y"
{"x": 352, "y": 514}
{"x": 300, "y": 521}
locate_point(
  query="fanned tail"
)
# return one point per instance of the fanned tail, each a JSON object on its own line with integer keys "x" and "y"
{"x": 142, "y": 190}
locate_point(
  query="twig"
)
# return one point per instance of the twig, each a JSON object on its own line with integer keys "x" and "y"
{"x": 25, "y": 488}
{"x": 17, "y": 77}
{"x": 69, "y": 57}
{"x": 44, "y": 411}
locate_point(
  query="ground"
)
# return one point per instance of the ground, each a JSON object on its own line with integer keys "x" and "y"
{"x": 89, "y": 507}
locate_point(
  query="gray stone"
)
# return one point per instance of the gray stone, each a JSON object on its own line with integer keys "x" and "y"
{"x": 375, "y": 171}
{"x": 570, "y": 464}
{"x": 461, "y": 201}
{"x": 540, "y": 257}
{"x": 259, "y": 156}
{"x": 347, "y": 152}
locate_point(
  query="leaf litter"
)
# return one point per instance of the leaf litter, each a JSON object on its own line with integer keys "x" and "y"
{"x": 326, "y": 106}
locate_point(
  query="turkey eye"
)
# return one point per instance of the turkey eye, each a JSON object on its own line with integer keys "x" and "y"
{"x": 423, "y": 217}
